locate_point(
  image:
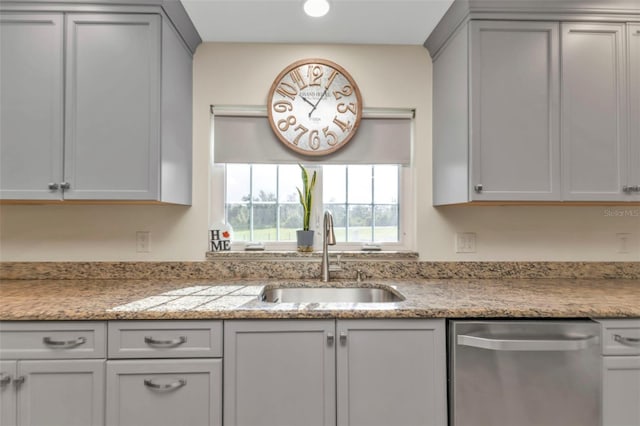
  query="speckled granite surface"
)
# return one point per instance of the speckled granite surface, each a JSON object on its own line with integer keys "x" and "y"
{"x": 224, "y": 299}
{"x": 307, "y": 266}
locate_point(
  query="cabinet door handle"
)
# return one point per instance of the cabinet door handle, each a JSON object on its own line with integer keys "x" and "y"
{"x": 64, "y": 344}
{"x": 4, "y": 380}
{"x": 165, "y": 388}
{"x": 343, "y": 337}
{"x": 478, "y": 187}
{"x": 628, "y": 341}
{"x": 53, "y": 186}
{"x": 18, "y": 381}
{"x": 65, "y": 185}
{"x": 165, "y": 343}
{"x": 330, "y": 338}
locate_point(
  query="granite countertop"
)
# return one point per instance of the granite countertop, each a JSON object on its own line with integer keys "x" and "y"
{"x": 101, "y": 299}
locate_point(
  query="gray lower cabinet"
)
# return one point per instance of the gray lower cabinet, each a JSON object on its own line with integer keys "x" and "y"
{"x": 164, "y": 373}
{"x": 52, "y": 373}
{"x": 95, "y": 106}
{"x": 621, "y": 372}
{"x": 326, "y": 372}
{"x": 185, "y": 392}
{"x": 279, "y": 373}
{"x": 391, "y": 372}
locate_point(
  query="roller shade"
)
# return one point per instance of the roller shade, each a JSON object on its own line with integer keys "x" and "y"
{"x": 243, "y": 135}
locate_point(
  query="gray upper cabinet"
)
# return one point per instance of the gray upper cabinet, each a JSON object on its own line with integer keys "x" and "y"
{"x": 633, "y": 74}
{"x": 31, "y": 105}
{"x": 514, "y": 96}
{"x": 594, "y": 104}
{"x": 115, "y": 125}
{"x": 112, "y": 146}
{"x": 496, "y": 114}
{"x": 531, "y": 104}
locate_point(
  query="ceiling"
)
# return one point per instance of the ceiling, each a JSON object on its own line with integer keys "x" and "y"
{"x": 348, "y": 21}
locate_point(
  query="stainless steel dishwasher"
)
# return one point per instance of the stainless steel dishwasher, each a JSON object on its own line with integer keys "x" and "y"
{"x": 524, "y": 373}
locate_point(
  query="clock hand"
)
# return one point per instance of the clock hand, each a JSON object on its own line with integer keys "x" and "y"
{"x": 316, "y": 105}
{"x": 307, "y": 101}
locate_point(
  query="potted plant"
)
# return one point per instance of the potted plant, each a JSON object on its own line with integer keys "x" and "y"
{"x": 305, "y": 236}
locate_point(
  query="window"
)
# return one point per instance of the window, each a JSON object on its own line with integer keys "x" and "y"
{"x": 367, "y": 185}
{"x": 261, "y": 202}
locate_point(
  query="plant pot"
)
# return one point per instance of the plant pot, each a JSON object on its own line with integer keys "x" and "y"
{"x": 305, "y": 240}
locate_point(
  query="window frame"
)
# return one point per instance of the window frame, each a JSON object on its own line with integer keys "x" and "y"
{"x": 406, "y": 216}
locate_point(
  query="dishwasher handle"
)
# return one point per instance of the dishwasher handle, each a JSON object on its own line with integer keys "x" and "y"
{"x": 560, "y": 344}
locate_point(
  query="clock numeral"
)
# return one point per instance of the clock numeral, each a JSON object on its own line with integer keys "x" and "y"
{"x": 285, "y": 123}
{"x": 282, "y": 106}
{"x": 342, "y": 108}
{"x": 287, "y": 90}
{"x": 346, "y": 91}
{"x": 329, "y": 134}
{"x": 343, "y": 126}
{"x": 304, "y": 130}
{"x": 314, "y": 73}
{"x": 333, "y": 75}
{"x": 298, "y": 79}
{"x": 314, "y": 140}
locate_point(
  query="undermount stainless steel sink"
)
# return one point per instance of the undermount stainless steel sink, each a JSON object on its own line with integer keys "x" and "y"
{"x": 330, "y": 295}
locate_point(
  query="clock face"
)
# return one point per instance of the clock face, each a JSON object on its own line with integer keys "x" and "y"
{"x": 314, "y": 107}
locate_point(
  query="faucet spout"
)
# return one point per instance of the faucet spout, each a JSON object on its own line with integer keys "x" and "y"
{"x": 328, "y": 239}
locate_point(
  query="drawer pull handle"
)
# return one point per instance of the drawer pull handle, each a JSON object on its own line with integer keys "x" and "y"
{"x": 165, "y": 343}
{"x": 18, "y": 381}
{"x": 64, "y": 344}
{"x": 629, "y": 341}
{"x": 165, "y": 388}
{"x": 5, "y": 380}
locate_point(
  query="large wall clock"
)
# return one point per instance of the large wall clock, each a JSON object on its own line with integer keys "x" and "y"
{"x": 314, "y": 106}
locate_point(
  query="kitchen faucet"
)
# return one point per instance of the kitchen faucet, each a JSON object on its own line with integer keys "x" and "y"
{"x": 328, "y": 239}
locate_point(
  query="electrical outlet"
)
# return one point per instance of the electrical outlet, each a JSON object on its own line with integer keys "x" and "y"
{"x": 465, "y": 242}
{"x": 623, "y": 242}
{"x": 143, "y": 241}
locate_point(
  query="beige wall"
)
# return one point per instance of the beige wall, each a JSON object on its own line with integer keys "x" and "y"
{"x": 388, "y": 76}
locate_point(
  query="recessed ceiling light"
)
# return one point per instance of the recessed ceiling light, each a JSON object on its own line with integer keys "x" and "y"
{"x": 316, "y": 8}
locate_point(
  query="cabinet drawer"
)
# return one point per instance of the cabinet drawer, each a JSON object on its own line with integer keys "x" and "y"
{"x": 52, "y": 340}
{"x": 165, "y": 339}
{"x": 164, "y": 392}
{"x": 620, "y": 337}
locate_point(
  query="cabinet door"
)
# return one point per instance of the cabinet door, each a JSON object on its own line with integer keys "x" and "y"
{"x": 112, "y": 106}
{"x": 7, "y": 393}
{"x": 31, "y": 105}
{"x": 279, "y": 373}
{"x": 515, "y": 150}
{"x": 61, "y": 393}
{"x": 594, "y": 141}
{"x": 391, "y": 372}
{"x": 621, "y": 391}
{"x": 184, "y": 392}
{"x": 633, "y": 40}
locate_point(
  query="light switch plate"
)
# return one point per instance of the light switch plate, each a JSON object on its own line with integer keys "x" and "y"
{"x": 465, "y": 242}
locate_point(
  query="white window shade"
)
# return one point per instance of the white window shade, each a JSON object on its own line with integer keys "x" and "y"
{"x": 243, "y": 135}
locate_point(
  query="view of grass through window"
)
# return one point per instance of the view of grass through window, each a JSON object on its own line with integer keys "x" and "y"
{"x": 262, "y": 201}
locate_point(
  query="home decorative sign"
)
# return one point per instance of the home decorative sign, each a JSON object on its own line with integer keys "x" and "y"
{"x": 314, "y": 107}
{"x": 220, "y": 239}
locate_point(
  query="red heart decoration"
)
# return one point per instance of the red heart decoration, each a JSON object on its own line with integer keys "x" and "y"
{"x": 226, "y": 234}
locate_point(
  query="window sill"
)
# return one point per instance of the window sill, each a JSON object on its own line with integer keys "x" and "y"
{"x": 344, "y": 255}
